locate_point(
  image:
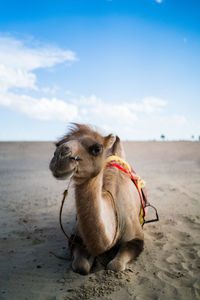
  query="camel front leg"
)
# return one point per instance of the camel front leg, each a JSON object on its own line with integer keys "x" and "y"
{"x": 127, "y": 252}
{"x": 82, "y": 260}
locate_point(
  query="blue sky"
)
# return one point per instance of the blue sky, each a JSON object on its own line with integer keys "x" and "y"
{"x": 128, "y": 67}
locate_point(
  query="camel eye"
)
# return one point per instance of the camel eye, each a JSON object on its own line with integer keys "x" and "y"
{"x": 95, "y": 149}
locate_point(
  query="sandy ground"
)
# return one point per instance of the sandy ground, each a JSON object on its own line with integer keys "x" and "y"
{"x": 168, "y": 268}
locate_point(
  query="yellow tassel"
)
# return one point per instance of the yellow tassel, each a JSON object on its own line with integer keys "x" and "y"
{"x": 115, "y": 158}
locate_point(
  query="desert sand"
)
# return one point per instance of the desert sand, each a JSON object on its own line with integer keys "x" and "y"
{"x": 169, "y": 266}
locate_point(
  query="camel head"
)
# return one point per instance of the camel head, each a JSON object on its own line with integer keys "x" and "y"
{"x": 89, "y": 148}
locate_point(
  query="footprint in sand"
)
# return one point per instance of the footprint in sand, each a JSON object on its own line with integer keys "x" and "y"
{"x": 192, "y": 221}
{"x": 181, "y": 236}
{"x": 191, "y": 254}
{"x": 156, "y": 235}
{"x": 172, "y": 259}
{"x": 170, "y": 222}
{"x": 37, "y": 241}
{"x": 175, "y": 279}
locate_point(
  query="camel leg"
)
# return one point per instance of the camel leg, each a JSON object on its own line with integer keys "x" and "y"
{"x": 82, "y": 261}
{"x": 126, "y": 253}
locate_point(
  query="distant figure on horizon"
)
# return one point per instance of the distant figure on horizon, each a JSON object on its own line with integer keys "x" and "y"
{"x": 162, "y": 137}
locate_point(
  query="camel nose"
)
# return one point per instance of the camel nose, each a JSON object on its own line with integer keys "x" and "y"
{"x": 64, "y": 151}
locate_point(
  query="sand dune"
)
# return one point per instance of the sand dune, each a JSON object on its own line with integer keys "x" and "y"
{"x": 168, "y": 268}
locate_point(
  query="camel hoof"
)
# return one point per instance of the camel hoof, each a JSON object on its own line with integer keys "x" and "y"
{"x": 82, "y": 267}
{"x": 116, "y": 266}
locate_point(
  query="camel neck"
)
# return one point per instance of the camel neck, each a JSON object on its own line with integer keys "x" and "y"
{"x": 95, "y": 214}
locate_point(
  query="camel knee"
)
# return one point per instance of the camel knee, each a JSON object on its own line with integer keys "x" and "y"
{"x": 126, "y": 253}
{"x": 82, "y": 262}
{"x": 81, "y": 266}
{"x": 116, "y": 265}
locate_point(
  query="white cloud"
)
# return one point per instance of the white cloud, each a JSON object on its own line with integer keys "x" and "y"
{"x": 16, "y": 54}
{"x": 18, "y": 61}
{"x": 159, "y": 1}
{"x": 17, "y": 65}
{"x": 93, "y": 109}
{"x": 148, "y": 105}
{"x": 84, "y": 109}
{"x": 17, "y": 78}
{"x": 107, "y": 115}
{"x": 42, "y": 109}
{"x": 52, "y": 91}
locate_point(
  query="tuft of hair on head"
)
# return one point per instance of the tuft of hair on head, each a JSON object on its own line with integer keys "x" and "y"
{"x": 76, "y": 131}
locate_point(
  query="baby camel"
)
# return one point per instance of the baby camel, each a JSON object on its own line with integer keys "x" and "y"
{"x": 107, "y": 202}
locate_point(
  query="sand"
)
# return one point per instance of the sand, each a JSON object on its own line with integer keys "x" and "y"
{"x": 169, "y": 266}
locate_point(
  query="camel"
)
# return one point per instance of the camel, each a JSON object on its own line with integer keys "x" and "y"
{"x": 107, "y": 202}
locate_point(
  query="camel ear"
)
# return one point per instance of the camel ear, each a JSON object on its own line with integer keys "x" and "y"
{"x": 109, "y": 141}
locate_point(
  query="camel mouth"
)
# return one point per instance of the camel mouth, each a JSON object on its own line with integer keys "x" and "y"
{"x": 63, "y": 175}
{"x": 63, "y": 165}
